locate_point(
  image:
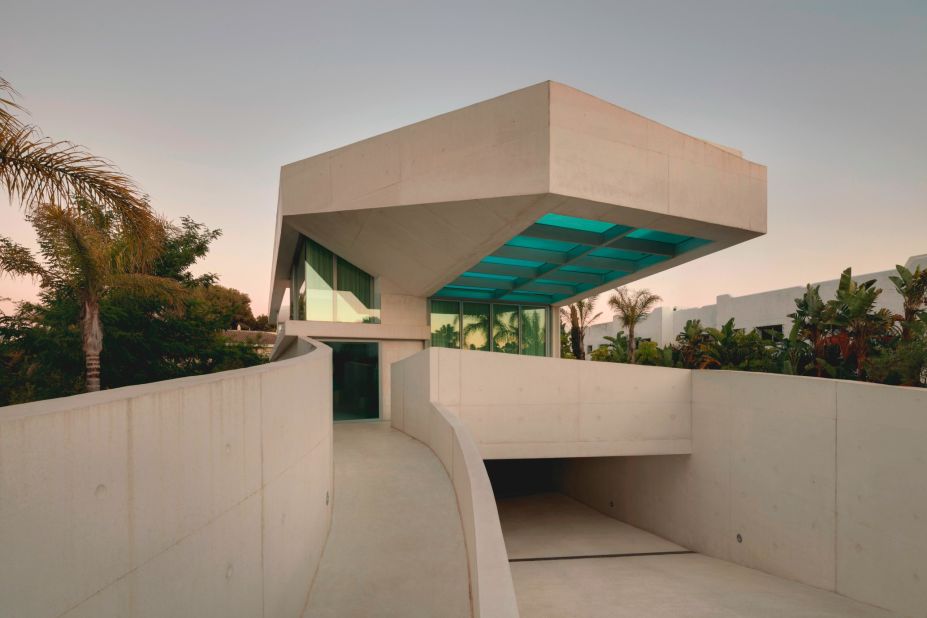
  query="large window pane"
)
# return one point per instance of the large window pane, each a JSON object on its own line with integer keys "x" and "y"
{"x": 533, "y": 331}
{"x": 505, "y": 329}
{"x": 476, "y": 326}
{"x": 356, "y": 301}
{"x": 329, "y": 289}
{"x": 445, "y": 323}
{"x": 320, "y": 278}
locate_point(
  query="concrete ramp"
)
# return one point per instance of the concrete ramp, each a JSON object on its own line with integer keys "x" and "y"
{"x": 396, "y": 546}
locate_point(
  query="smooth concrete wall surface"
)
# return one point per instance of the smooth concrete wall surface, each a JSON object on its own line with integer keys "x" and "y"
{"x": 529, "y": 407}
{"x": 822, "y": 479}
{"x": 415, "y": 412}
{"x": 604, "y": 153}
{"x": 203, "y": 496}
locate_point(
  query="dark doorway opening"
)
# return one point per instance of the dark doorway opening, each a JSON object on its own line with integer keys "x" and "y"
{"x": 355, "y": 380}
{"x": 511, "y": 478}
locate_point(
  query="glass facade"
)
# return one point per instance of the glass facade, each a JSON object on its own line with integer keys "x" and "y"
{"x": 533, "y": 331}
{"x": 507, "y": 328}
{"x": 476, "y": 326}
{"x": 327, "y": 288}
{"x": 445, "y": 324}
{"x": 505, "y": 324}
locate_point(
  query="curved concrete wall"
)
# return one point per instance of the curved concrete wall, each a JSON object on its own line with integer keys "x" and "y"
{"x": 824, "y": 481}
{"x": 204, "y": 496}
{"x": 417, "y": 414}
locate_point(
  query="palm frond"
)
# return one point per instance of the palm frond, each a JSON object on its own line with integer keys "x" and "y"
{"x": 35, "y": 169}
{"x": 8, "y": 103}
{"x": 74, "y": 246}
{"x": 18, "y": 260}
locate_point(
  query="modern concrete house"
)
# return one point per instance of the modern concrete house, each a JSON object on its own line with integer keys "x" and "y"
{"x": 467, "y": 229}
{"x": 767, "y": 311}
{"x": 420, "y": 271}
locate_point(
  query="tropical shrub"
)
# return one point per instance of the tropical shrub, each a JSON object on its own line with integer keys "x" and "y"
{"x": 845, "y": 337}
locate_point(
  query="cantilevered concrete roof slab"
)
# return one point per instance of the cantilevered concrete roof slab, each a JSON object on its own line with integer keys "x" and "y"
{"x": 546, "y": 194}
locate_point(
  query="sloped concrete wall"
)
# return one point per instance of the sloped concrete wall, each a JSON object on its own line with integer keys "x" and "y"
{"x": 205, "y": 496}
{"x": 822, "y": 479}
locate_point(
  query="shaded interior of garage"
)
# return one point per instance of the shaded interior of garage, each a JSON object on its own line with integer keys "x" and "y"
{"x": 570, "y": 559}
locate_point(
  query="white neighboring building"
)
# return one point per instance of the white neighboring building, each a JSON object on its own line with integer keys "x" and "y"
{"x": 761, "y": 310}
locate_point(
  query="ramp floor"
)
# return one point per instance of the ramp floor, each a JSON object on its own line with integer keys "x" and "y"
{"x": 570, "y": 560}
{"x": 396, "y": 546}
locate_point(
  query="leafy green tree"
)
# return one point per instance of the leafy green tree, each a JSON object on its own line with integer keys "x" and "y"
{"x": 147, "y": 335}
{"x": 231, "y": 306}
{"x": 261, "y": 323}
{"x": 95, "y": 229}
{"x": 90, "y": 251}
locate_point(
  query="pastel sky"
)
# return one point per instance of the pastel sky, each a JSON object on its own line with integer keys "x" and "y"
{"x": 202, "y": 103}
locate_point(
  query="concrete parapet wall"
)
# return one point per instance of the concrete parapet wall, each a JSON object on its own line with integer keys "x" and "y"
{"x": 535, "y": 407}
{"x": 204, "y": 496}
{"x": 823, "y": 480}
{"x": 416, "y": 413}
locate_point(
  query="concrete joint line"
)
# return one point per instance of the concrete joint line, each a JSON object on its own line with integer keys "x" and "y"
{"x": 629, "y": 555}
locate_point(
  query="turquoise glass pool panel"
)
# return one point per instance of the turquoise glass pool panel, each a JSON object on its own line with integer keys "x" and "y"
{"x": 537, "y": 257}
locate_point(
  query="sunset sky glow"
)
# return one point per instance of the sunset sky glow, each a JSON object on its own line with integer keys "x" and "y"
{"x": 202, "y": 103}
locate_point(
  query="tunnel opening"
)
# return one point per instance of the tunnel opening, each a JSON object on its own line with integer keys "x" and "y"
{"x": 512, "y": 478}
{"x": 548, "y": 512}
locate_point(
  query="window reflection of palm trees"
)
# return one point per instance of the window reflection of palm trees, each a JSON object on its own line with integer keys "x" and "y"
{"x": 533, "y": 332}
{"x": 505, "y": 330}
{"x": 476, "y": 327}
{"x": 446, "y": 336}
{"x": 486, "y": 326}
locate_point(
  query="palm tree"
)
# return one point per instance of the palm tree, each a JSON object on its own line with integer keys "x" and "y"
{"x": 632, "y": 307}
{"x": 85, "y": 249}
{"x": 86, "y": 214}
{"x": 579, "y": 316}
